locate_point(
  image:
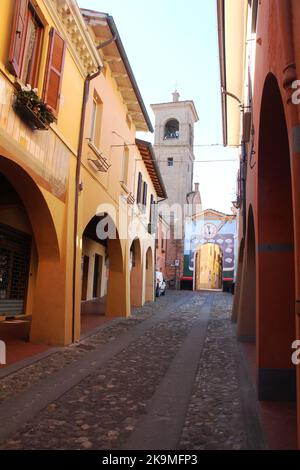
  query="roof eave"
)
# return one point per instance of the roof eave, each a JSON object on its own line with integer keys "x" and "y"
{"x": 114, "y": 31}
{"x": 163, "y": 193}
{"x": 100, "y": 17}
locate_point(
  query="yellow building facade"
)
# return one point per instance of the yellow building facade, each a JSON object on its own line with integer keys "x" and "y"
{"x": 68, "y": 161}
{"x": 208, "y": 267}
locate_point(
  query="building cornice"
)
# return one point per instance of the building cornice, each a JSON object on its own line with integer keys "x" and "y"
{"x": 69, "y": 21}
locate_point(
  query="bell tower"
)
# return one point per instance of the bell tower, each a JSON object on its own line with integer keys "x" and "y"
{"x": 174, "y": 146}
{"x": 174, "y": 150}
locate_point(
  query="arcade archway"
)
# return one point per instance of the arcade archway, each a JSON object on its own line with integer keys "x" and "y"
{"x": 136, "y": 274}
{"x": 102, "y": 273}
{"x": 238, "y": 282}
{"x": 276, "y": 265}
{"x": 149, "y": 276}
{"x": 32, "y": 273}
{"x": 246, "y": 322}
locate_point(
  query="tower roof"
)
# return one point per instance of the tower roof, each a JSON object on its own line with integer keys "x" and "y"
{"x": 177, "y": 104}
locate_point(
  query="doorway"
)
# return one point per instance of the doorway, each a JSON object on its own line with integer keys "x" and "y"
{"x": 97, "y": 276}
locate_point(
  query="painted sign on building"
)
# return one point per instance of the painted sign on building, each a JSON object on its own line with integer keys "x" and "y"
{"x": 211, "y": 227}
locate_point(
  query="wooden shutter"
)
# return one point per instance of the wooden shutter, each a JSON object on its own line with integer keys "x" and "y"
{"x": 139, "y": 189}
{"x": 145, "y": 195}
{"x": 54, "y": 70}
{"x": 151, "y": 209}
{"x": 18, "y": 37}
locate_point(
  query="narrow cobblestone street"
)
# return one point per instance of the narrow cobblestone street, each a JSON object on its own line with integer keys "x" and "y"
{"x": 166, "y": 378}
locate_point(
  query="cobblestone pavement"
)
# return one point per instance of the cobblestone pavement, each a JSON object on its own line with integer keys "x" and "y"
{"x": 18, "y": 382}
{"x": 104, "y": 409}
{"x": 214, "y": 419}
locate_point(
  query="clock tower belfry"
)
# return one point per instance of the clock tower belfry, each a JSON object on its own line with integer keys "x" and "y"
{"x": 174, "y": 150}
{"x": 174, "y": 146}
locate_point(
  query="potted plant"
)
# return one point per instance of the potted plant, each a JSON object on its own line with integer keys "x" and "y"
{"x": 31, "y": 108}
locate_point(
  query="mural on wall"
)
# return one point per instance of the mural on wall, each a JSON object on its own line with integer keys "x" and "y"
{"x": 211, "y": 227}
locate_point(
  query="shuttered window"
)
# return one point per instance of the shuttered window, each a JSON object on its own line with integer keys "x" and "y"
{"x": 32, "y": 49}
{"x": 152, "y": 209}
{"x": 54, "y": 70}
{"x": 152, "y": 216}
{"x": 139, "y": 189}
{"x": 145, "y": 189}
{"x": 26, "y": 42}
{"x": 18, "y": 37}
{"x": 96, "y": 120}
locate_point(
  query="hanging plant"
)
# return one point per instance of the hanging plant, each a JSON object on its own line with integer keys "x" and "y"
{"x": 32, "y": 109}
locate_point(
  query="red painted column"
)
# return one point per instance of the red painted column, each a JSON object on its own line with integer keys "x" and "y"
{"x": 285, "y": 22}
{"x": 295, "y": 163}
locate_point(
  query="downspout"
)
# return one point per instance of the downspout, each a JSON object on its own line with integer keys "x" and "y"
{"x": 244, "y": 161}
{"x": 106, "y": 43}
{"x": 87, "y": 81}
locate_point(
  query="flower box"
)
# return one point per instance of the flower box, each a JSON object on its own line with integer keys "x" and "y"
{"x": 31, "y": 117}
{"x": 32, "y": 110}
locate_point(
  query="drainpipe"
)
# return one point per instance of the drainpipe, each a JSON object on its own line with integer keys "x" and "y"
{"x": 109, "y": 41}
{"x": 244, "y": 160}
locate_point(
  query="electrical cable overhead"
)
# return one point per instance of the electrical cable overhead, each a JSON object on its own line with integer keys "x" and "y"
{"x": 195, "y": 145}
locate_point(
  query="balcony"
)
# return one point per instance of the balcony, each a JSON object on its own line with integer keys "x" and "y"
{"x": 98, "y": 161}
{"x": 130, "y": 199}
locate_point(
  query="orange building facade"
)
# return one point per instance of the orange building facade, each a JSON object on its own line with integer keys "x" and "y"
{"x": 261, "y": 115}
{"x": 70, "y": 164}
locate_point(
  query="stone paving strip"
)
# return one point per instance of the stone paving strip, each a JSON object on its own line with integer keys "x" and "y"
{"x": 216, "y": 418}
{"x": 161, "y": 427}
{"x": 19, "y": 381}
{"x": 95, "y": 401}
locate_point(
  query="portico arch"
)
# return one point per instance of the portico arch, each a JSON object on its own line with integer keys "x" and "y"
{"x": 136, "y": 274}
{"x": 237, "y": 287}
{"x": 47, "y": 271}
{"x": 246, "y": 321}
{"x": 103, "y": 275}
{"x": 149, "y": 276}
{"x": 276, "y": 265}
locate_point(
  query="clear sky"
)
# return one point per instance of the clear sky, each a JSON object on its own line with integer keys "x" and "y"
{"x": 175, "y": 42}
